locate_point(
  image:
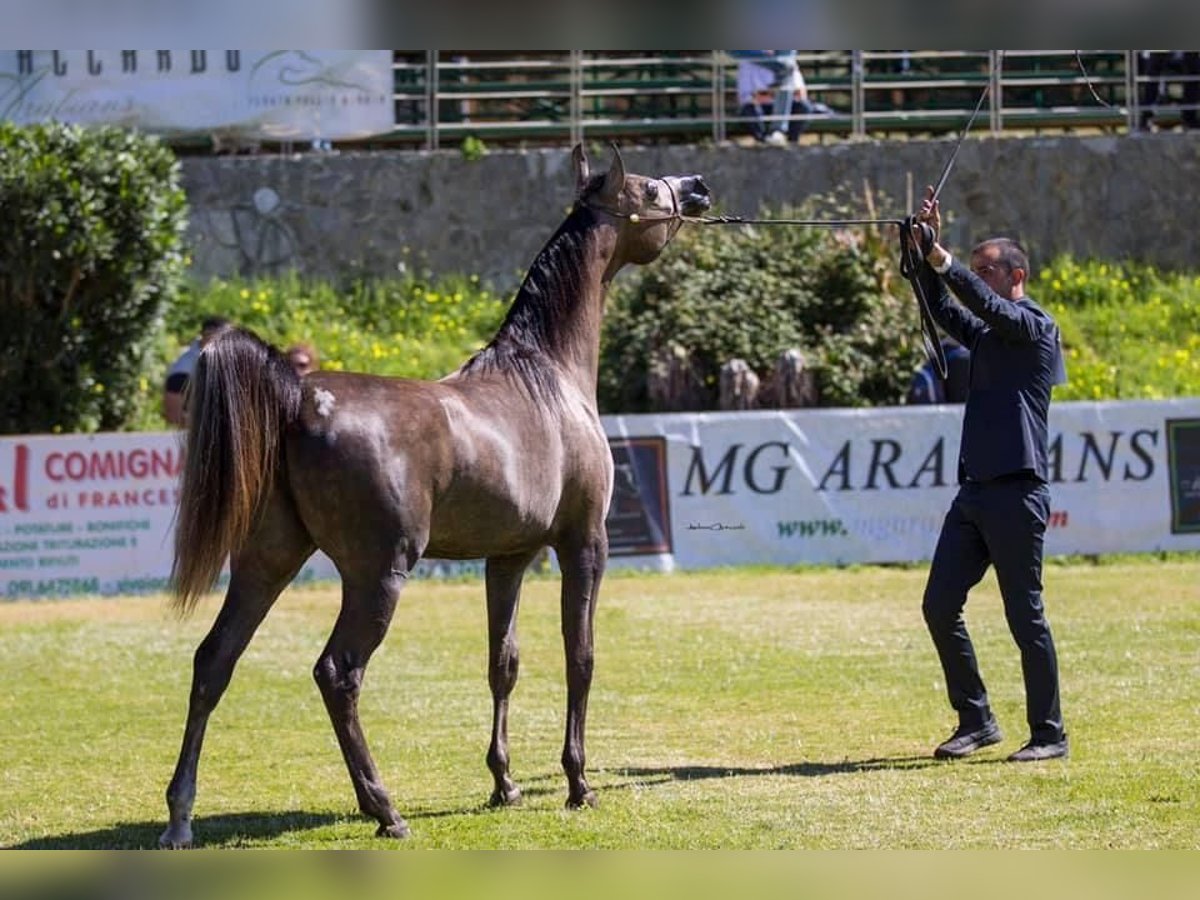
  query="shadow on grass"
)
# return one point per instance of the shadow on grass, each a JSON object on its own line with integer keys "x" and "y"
{"x": 800, "y": 770}
{"x": 211, "y": 831}
{"x": 237, "y": 828}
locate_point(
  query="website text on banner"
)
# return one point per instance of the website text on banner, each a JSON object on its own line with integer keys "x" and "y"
{"x": 94, "y": 513}
{"x": 283, "y": 95}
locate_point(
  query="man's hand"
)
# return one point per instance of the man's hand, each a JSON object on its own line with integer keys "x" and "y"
{"x": 930, "y": 214}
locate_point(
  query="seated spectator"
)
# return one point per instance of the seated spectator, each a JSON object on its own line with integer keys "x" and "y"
{"x": 303, "y": 357}
{"x": 929, "y": 387}
{"x": 181, "y": 370}
{"x": 769, "y": 87}
{"x": 1153, "y": 66}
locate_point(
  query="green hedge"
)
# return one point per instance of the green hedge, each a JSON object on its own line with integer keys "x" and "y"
{"x": 416, "y": 326}
{"x": 91, "y": 229}
{"x": 1129, "y": 331}
{"x": 755, "y": 292}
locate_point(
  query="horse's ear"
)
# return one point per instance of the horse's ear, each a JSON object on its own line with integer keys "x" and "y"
{"x": 579, "y": 163}
{"x": 614, "y": 181}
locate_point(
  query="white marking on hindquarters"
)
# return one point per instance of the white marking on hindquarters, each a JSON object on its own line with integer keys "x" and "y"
{"x": 323, "y": 400}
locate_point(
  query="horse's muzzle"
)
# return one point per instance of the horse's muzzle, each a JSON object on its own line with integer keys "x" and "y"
{"x": 694, "y": 195}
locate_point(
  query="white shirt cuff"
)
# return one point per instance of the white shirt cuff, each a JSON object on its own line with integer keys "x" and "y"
{"x": 945, "y": 266}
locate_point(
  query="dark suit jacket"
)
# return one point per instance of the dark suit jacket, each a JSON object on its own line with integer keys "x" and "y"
{"x": 1016, "y": 356}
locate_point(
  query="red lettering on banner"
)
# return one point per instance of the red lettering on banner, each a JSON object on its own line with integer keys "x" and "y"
{"x": 111, "y": 499}
{"x": 20, "y": 483}
{"x": 113, "y": 464}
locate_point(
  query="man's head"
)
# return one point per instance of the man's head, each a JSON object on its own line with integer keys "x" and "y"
{"x": 1003, "y": 266}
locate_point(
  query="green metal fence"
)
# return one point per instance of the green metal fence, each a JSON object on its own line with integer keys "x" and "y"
{"x": 554, "y": 98}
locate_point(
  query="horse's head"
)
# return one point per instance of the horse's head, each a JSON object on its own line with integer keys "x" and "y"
{"x": 647, "y": 210}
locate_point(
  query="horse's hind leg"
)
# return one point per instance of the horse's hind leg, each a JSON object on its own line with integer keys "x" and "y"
{"x": 504, "y": 576}
{"x": 367, "y": 609}
{"x": 582, "y": 563}
{"x": 270, "y": 560}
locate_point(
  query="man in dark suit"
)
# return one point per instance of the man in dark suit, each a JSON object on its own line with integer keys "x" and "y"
{"x": 1000, "y": 512}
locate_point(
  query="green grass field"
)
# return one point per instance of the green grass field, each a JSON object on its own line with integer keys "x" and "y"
{"x": 739, "y": 709}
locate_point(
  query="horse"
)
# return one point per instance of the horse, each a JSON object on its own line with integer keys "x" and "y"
{"x": 497, "y": 460}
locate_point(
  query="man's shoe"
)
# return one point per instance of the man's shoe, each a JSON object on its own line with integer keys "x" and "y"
{"x": 1038, "y": 750}
{"x": 964, "y": 742}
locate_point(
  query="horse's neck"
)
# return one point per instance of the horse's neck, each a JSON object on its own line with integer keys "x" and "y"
{"x": 573, "y": 332}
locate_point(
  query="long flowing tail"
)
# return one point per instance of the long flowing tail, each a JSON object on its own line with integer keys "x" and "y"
{"x": 241, "y": 397}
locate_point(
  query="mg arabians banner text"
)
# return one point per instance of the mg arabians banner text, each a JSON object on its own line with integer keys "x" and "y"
{"x": 252, "y": 94}
{"x": 873, "y": 485}
{"x": 94, "y": 513}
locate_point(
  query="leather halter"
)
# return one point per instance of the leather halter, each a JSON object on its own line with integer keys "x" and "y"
{"x": 675, "y": 215}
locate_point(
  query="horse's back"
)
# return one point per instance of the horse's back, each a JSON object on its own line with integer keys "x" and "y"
{"x": 465, "y": 469}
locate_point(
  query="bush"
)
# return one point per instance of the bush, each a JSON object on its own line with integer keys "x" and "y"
{"x": 1129, "y": 331}
{"x": 415, "y": 326}
{"x": 91, "y": 228}
{"x": 754, "y": 292}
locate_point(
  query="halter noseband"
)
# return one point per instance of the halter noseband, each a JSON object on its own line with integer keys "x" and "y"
{"x": 636, "y": 218}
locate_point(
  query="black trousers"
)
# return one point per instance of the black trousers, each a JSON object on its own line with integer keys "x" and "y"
{"x": 1001, "y": 523}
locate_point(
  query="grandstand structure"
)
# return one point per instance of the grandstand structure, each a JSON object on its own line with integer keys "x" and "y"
{"x": 550, "y": 98}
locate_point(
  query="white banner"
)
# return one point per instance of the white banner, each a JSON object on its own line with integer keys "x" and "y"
{"x": 253, "y": 94}
{"x": 873, "y": 485}
{"x": 94, "y": 513}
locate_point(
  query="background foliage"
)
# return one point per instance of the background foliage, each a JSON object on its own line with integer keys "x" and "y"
{"x": 1130, "y": 331}
{"x": 95, "y": 305}
{"x": 755, "y": 292}
{"x": 91, "y": 229}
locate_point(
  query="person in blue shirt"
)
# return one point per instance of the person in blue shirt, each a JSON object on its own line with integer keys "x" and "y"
{"x": 928, "y": 385}
{"x": 180, "y": 371}
{"x": 999, "y": 514}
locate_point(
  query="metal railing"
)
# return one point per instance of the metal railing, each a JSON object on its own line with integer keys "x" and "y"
{"x": 442, "y": 97}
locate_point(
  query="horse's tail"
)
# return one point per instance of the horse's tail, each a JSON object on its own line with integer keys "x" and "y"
{"x": 241, "y": 397}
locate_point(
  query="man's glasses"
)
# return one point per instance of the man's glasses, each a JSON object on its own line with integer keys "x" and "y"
{"x": 988, "y": 268}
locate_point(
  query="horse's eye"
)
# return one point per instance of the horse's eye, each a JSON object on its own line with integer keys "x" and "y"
{"x": 651, "y": 190}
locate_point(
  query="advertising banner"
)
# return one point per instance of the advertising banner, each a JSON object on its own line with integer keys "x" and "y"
{"x": 84, "y": 514}
{"x": 283, "y": 95}
{"x": 873, "y": 485}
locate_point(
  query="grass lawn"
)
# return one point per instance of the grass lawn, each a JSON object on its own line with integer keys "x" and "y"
{"x": 734, "y": 709}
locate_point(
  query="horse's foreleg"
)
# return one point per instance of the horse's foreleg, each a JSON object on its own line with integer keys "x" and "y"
{"x": 582, "y": 568}
{"x": 363, "y": 621}
{"x": 503, "y": 593}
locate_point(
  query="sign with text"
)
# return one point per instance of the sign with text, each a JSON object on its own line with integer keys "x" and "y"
{"x": 252, "y": 94}
{"x": 873, "y": 485}
{"x": 94, "y": 513}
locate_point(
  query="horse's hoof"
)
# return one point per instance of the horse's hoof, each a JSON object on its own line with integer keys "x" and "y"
{"x": 398, "y": 830}
{"x": 510, "y": 797}
{"x": 176, "y": 838}
{"x": 587, "y": 800}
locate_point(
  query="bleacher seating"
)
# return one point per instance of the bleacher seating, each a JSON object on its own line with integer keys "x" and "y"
{"x": 442, "y": 97}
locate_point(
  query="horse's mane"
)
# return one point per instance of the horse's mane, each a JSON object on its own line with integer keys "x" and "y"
{"x": 541, "y": 318}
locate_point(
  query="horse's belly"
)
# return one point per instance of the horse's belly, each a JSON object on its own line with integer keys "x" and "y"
{"x": 489, "y": 524}
{"x": 456, "y": 542}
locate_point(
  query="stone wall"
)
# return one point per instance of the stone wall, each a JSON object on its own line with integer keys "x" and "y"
{"x": 1115, "y": 197}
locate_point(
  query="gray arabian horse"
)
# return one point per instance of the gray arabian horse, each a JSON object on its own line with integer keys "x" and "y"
{"x": 497, "y": 460}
